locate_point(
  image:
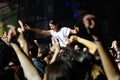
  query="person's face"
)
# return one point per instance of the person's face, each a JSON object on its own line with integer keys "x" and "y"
{"x": 53, "y": 27}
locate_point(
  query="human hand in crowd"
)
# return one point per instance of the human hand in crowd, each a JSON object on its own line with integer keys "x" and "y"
{"x": 27, "y": 27}
{"x": 108, "y": 65}
{"x": 55, "y": 44}
{"x": 21, "y": 30}
{"x": 36, "y": 42}
{"x": 114, "y": 44}
{"x": 14, "y": 33}
{"x": 23, "y": 27}
{"x": 17, "y": 35}
{"x": 56, "y": 49}
{"x": 76, "y": 28}
{"x": 72, "y": 38}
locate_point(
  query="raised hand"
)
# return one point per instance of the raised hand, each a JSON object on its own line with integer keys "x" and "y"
{"x": 21, "y": 38}
{"x": 76, "y": 28}
{"x": 114, "y": 44}
{"x": 21, "y": 30}
{"x": 21, "y": 25}
{"x": 72, "y": 38}
{"x": 11, "y": 33}
{"x": 27, "y": 27}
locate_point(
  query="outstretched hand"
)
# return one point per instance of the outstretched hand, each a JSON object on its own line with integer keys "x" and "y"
{"x": 21, "y": 29}
{"x": 76, "y": 28}
{"x": 72, "y": 38}
{"x": 16, "y": 34}
{"x": 21, "y": 25}
{"x": 114, "y": 44}
{"x": 27, "y": 27}
{"x": 17, "y": 37}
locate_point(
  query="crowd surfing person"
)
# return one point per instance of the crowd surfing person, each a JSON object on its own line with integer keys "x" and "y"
{"x": 57, "y": 31}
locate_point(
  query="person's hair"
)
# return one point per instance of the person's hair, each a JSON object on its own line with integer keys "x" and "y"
{"x": 93, "y": 70}
{"x": 86, "y": 58}
{"x": 33, "y": 48}
{"x": 68, "y": 53}
{"x": 58, "y": 71}
{"x": 68, "y": 70}
{"x": 44, "y": 50}
{"x": 55, "y": 22}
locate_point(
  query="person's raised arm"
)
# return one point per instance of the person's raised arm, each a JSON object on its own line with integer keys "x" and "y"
{"x": 40, "y": 31}
{"x": 21, "y": 39}
{"x": 108, "y": 65}
{"x": 57, "y": 49}
{"x": 89, "y": 44}
{"x": 29, "y": 70}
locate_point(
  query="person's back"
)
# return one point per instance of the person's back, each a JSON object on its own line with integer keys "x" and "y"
{"x": 6, "y": 54}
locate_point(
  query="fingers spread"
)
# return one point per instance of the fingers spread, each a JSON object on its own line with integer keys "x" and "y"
{"x": 21, "y": 25}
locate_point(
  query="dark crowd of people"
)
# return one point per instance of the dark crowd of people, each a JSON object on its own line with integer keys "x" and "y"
{"x": 69, "y": 56}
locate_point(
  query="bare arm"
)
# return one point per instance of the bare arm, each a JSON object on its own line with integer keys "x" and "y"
{"x": 109, "y": 68}
{"x": 108, "y": 65}
{"x": 30, "y": 71}
{"x": 56, "y": 52}
{"x": 91, "y": 45}
{"x": 21, "y": 39}
{"x": 40, "y": 31}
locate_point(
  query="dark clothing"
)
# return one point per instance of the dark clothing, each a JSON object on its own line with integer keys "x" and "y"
{"x": 6, "y": 73}
{"x": 40, "y": 65}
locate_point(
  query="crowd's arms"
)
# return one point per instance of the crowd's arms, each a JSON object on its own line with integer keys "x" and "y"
{"x": 30, "y": 71}
{"x": 56, "y": 51}
{"x": 22, "y": 36}
{"x": 108, "y": 65}
{"x": 47, "y": 32}
{"x": 89, "y": 44}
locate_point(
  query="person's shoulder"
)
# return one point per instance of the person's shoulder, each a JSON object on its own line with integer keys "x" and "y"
{"x": 65, "y": 27}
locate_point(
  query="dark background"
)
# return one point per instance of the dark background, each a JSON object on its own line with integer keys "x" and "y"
{"x": 36, "y": 13}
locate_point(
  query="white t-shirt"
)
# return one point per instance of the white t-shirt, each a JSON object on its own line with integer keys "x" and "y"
{"x": 61, "y": 35}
